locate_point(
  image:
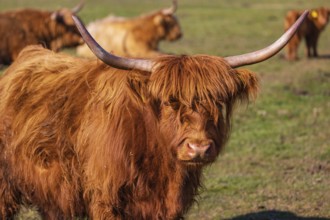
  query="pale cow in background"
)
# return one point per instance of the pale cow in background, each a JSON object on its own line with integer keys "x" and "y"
{"x": 137, "y": 37}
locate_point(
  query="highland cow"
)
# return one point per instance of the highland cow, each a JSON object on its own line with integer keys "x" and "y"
{"x": 53, "y": 29}
{"x": 137, "y": 37}
{"x": 310, "y": 30}
{"x": 119, "y": 139}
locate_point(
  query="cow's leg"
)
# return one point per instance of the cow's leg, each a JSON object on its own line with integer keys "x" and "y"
{"x": 8, "y": 198}
{"x": 8, "y": 195}
{"x": 98, "y": 211}
{"x": 51, "y": 214}
{"x": 101, "y": 208}
{"x": 292, "y": 48}
{"x": 308, "y": 41}
{"x": 314, "y": 45}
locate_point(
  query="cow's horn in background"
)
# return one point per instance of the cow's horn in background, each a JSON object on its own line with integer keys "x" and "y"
{"x": 267, "y": 52}
{"x": 78, "y": 7}
{"x": 108, "y": 58}
{"x": 171, "y": 9}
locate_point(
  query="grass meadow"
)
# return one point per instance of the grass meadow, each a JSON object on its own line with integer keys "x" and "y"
{"x": 276, "y": 165}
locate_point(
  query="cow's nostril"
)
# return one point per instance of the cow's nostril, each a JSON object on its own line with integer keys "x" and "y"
{"x": 205, "y": 147}
{"x": 198, "y": 150}
{"x": 204, "y": 150}
{"x": 192, "y": 150}
{"x": 193, "y": 146}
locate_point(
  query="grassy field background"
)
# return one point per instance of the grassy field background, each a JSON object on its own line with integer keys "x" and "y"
{"x": 276, "y": 165}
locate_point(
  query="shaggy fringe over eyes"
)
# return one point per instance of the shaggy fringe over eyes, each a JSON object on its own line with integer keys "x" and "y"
{"x": 201, "y": 78}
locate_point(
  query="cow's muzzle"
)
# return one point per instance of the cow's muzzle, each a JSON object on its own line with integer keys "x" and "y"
{"x": 198, "y": 151}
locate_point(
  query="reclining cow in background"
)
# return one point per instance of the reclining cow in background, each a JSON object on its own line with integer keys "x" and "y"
{"x": 310, "y": 30}
{"x": 137, "y": 37}
{"x": 123, "y": 139}
{"x": 53, "y": 29}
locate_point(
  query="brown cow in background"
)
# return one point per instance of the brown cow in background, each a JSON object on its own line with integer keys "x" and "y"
{"x": 124, "y": 139}
{"x": 310, "y": 30}
{"x": 53, "y": 29}
{"x": 137, "y": 37}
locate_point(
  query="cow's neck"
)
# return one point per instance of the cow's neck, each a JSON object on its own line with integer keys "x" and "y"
{"x": 182, "y": 188}
{"x": 42, "y": 27}
{"x": 168, "y": 180}
{"x": 49, "y": 33}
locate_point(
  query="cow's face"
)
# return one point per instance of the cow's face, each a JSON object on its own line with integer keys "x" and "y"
{"x": 195, "y": 96}
{"x": 67, "y": 34}
{"x": 320, "y": 17}
{"x": 196, "y": 133}
{"x": 169, "y": 26}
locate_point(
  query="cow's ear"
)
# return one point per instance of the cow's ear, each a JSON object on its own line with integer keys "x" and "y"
{"x": 54, "y": 16}
{"x": 247, "y": 85}
{"x": 64, "y": 16}
{"x": 158, "y": 19}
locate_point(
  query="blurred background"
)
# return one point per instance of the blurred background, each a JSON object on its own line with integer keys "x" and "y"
{"x": 276, "y": 164}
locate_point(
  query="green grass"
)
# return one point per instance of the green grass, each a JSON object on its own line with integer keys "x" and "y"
{"x": 277, "y": 162}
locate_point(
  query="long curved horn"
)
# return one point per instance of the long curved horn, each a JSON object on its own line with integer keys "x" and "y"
{"x": 78, "y": 7}
{"x": 108, "y": 58}
{"x": 171, "y": 9}
{"x": 267, "y": 52}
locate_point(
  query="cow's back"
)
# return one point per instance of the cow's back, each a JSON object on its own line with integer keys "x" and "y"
{"x": 44, "y": 86}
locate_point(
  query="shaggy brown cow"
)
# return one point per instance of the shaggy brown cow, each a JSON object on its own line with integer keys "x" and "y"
{"x": 310, "y": 30}
{"x": 137, "y": 37}
{"x": 123, "y": 140}
{"x": 53, "y": 29}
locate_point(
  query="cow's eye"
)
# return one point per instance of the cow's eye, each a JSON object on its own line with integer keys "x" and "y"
{"x": 220, "y": 105}
{"x": 174, "y": 104}
{"x": 185, "y": 120}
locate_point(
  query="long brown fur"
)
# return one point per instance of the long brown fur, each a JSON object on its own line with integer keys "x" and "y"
{"x": 53, "y": 29}
{"x": 80, "y": 138}
{"x": 310, "y": 31}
